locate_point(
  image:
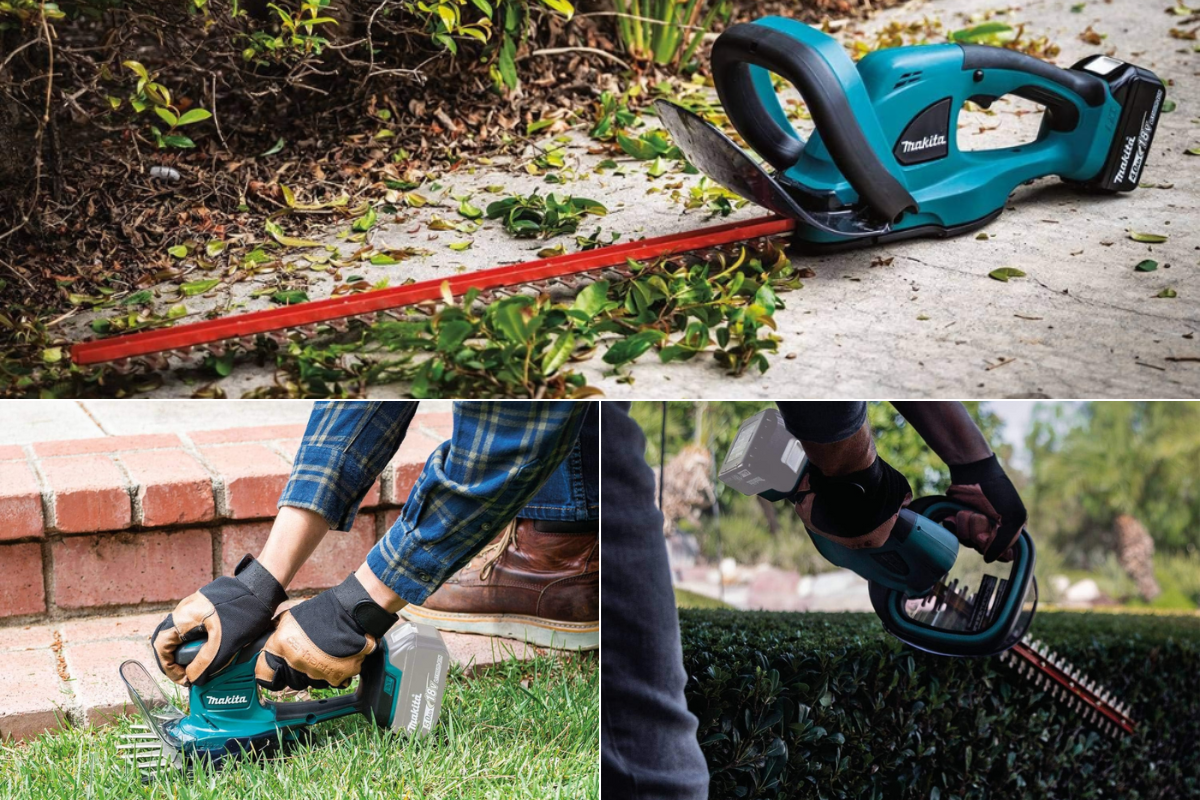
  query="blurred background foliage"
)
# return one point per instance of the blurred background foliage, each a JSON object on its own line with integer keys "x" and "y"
{"x": 1086, "y": 465}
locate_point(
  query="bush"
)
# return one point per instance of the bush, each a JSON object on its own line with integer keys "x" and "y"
{"x": 829, "y": 706}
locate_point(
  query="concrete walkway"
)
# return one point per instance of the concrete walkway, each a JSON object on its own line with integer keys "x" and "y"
{"x": 913, "y": 319}
{"x": 29, "y": 421}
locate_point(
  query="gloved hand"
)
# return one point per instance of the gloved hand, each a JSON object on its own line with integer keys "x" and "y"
{"x": 323, "y": 642}
{"x": 857, "y": 510}
{"x": 984, "y": 486}
{"x": 231, "y": 611}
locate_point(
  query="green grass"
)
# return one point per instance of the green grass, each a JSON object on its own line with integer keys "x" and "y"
{"x": 686, "y": 599}
{"x": 521, "y": 730}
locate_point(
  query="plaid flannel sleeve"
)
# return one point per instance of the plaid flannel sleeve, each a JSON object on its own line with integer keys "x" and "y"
{"x": 346, "y": 446}
{"x": 498, "y": 457}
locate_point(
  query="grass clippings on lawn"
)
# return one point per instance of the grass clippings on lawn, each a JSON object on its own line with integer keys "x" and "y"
{"x": 521, "y": 730}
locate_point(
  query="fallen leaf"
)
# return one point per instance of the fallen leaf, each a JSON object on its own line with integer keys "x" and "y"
{"x": 1004, "y": 273}
{"x": 290, "y": 297}
{"x": 1147, "y": 238}
{"x": 1093, "y": 37}
{"x": 1168, "y": 292}
{"x": 1148, "y": 265}
{"x": 276, "y": 231}
{"x": 469, "y": 211}
{"x": 194, "y": 288}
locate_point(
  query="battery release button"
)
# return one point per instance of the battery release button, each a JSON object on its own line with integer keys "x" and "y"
{"x": 1102, "y": 65}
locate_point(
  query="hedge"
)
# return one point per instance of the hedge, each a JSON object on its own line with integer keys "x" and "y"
{"x": 829, "y": 706}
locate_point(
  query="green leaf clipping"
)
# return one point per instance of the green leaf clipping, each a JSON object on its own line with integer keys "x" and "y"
{"x": 1005, "y": 273}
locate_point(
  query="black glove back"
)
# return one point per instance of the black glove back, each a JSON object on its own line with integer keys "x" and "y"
{"x": 323, "y": 642}
{"x": 857, "y": 510}
{"x": 984, "y": 486}
{"x": 230, "y": 612}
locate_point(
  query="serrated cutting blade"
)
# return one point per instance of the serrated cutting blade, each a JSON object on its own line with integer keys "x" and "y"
{"x": 150, "y": 747}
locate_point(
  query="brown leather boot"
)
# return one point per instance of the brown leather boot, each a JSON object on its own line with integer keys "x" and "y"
{"x": 537, "y": 581}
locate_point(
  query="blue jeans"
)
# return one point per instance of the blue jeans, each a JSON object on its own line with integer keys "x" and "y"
{"x": 503, "y": 460}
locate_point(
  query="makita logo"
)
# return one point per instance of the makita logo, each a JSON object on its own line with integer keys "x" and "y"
{"x": 1133, "y": 154}
{"x": 414, "y": 713}
{"x": 933, "y": 140}
{"x": 227, "y": 700}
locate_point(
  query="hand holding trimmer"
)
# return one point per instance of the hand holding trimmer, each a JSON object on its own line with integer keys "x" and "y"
{"x": 907, "y": 558}
{"x": 400, "y": 688}
{"x": 884, "y": 163}
{"x": 223, "y": 644}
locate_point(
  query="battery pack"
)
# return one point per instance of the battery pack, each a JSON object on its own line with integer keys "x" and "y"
{"x": 1140, "y": 94}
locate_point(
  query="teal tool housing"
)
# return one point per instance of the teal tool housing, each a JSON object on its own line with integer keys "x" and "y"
{"x": 918, "y": 585}
{"x": 400, "y": 688}
{"x": 884, "y": 161}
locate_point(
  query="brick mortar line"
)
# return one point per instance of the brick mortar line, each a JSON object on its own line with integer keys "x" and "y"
{"x": 132, "y": 488}
{"x": 175, "y": 527}
{"x": 113, "y": 610}
{"x": 219, "y": 490}
{"x": 55, "y": 613}
{"x": 181, "y": 446}
{"x": 71, "y": 706}
{"x": 276, "y": 447}
{"x": 45, "y": 492}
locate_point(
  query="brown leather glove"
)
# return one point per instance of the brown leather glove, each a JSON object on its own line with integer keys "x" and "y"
{"x": 323, "y": 642}
{"x": 231, "y": 612}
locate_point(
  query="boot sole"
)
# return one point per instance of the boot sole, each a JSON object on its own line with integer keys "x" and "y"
{"x": 534, "y": 630}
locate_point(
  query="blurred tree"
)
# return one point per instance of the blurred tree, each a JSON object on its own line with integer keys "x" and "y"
{"x": 1093, "y": 462}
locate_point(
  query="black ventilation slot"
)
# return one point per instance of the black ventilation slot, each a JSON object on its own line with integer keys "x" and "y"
{"x": 908, "y": 78}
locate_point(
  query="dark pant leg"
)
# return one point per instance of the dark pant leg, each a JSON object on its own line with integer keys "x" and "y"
{"x": 572, "y": 492}
{"x": 648, "y": 736}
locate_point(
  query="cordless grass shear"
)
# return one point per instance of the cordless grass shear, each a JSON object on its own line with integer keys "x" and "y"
{"x": 400, "y": 688}
{"x": 884, "y": 163}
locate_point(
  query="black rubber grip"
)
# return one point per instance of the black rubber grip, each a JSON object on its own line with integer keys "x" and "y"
{"x": 187, "y": 652}
{"x": 1088, "y": 87}
{"x": 745, "y": 44}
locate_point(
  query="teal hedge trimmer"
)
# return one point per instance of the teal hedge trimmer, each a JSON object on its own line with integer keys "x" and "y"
{"x": 884, "y": 164}
{"x": 920, "y": 579}
{"x": 400, "y": 688}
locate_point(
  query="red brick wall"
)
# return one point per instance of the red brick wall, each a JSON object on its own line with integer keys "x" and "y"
{"x": 135, "y": 520}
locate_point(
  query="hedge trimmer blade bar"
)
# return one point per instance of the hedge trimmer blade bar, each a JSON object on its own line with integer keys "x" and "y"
{"x": 151, "y": 747}
{"x": 1051, "y": 673}
{"x": 306, "y": 316}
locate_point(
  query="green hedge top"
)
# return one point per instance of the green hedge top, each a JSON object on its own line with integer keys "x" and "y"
{"x": 830, "y": 706}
